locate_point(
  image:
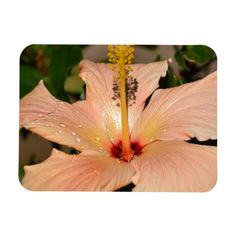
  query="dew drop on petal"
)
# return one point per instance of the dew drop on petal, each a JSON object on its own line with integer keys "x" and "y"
{"x": 61, "y": 102}
{"x": 204, "y": 111}
{"x": 59, "y": 131}
{"x": 80, "y": 126}
{"x": 73, "y": 133}
{"x": 77, "y": 140}
{"x": 62, "y": 125}
{"x": 97, "y": 138}
{"x": 96, "y": 172}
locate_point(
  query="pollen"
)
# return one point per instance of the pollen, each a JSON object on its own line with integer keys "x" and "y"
{"x": 121, "y": 57}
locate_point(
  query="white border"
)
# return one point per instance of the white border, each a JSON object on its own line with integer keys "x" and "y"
{"x": 136, "y": 22}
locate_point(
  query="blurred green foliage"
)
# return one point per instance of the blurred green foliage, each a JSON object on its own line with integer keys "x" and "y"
{"x": 51, "y": 63}
{"x": 21, "y": 173}
{"x": 194, "y": 54}
{"x": 192, "y": 60}
{"x": 29, "y": 78}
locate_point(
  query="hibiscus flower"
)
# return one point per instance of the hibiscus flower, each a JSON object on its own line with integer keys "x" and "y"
{"x": 120, "y": 137}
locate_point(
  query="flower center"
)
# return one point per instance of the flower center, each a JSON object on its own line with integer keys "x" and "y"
{"x": 116, "y": 150}
{"x": 121, "y": 56}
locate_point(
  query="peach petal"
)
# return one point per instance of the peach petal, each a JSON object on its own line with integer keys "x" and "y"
{"x": 99, "y": 81}
{"x": 175, "y": 166}
{"x": 180, "y": 113}
{"x": 78, "y": 127}
{"x": 88, "y": 171}
{"x": 148, "y": 76}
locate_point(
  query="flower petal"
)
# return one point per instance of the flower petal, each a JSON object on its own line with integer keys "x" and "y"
{"x": 180, "y": 113}
{"x": 148, "y": 76}
{"x": 88, "y": 171}
{"x": 99, "y": 81}
{"x": 78, "y": 126}
{"x": 175, "y": 166}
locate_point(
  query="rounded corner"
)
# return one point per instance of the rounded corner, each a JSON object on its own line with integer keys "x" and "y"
{"x": 210, "y": 49}
{"x": 27, "y": 46}
{"x": 213, "y": 187}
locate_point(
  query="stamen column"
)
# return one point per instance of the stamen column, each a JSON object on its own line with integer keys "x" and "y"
{"x": 121, "y": 57}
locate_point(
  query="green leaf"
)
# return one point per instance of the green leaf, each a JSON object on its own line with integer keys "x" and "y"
{"x": 173, "y": 80}
{"x": 199, "y": 53}
{"x": 21, "y": 173}
{"x": 63, "y": 58}
{"x": 74, "y": 85}
{"x": 179, "y": 56}
{"x": 29, "y": 78}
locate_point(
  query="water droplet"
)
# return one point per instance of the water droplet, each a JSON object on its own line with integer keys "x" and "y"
{"x": 73, "y": 133}
{"x": 62, "y": 125}
{"x": 77, "y": 140}
{"x": 96, "y": 172}
{"x": 112, "y": 139}
{"x": 107, "y": 93}
{"x": 80, "y": 125}
{"x": 61, "y": 102}
{"x": 204, "y": 111}
{"x": 59, "y": 131}
{"x": 107, "y": 130}
{"x": 151, "y": 140}
{"x": 97, "y": 138}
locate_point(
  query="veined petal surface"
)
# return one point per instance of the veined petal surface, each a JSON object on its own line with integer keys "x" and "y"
{"x": 180, "y": 113}
{"x": 99, "y": 93}
{"x": 175, "y": 166}
{"x": 88, "y": 171}
{"x": 77, "y": 126}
